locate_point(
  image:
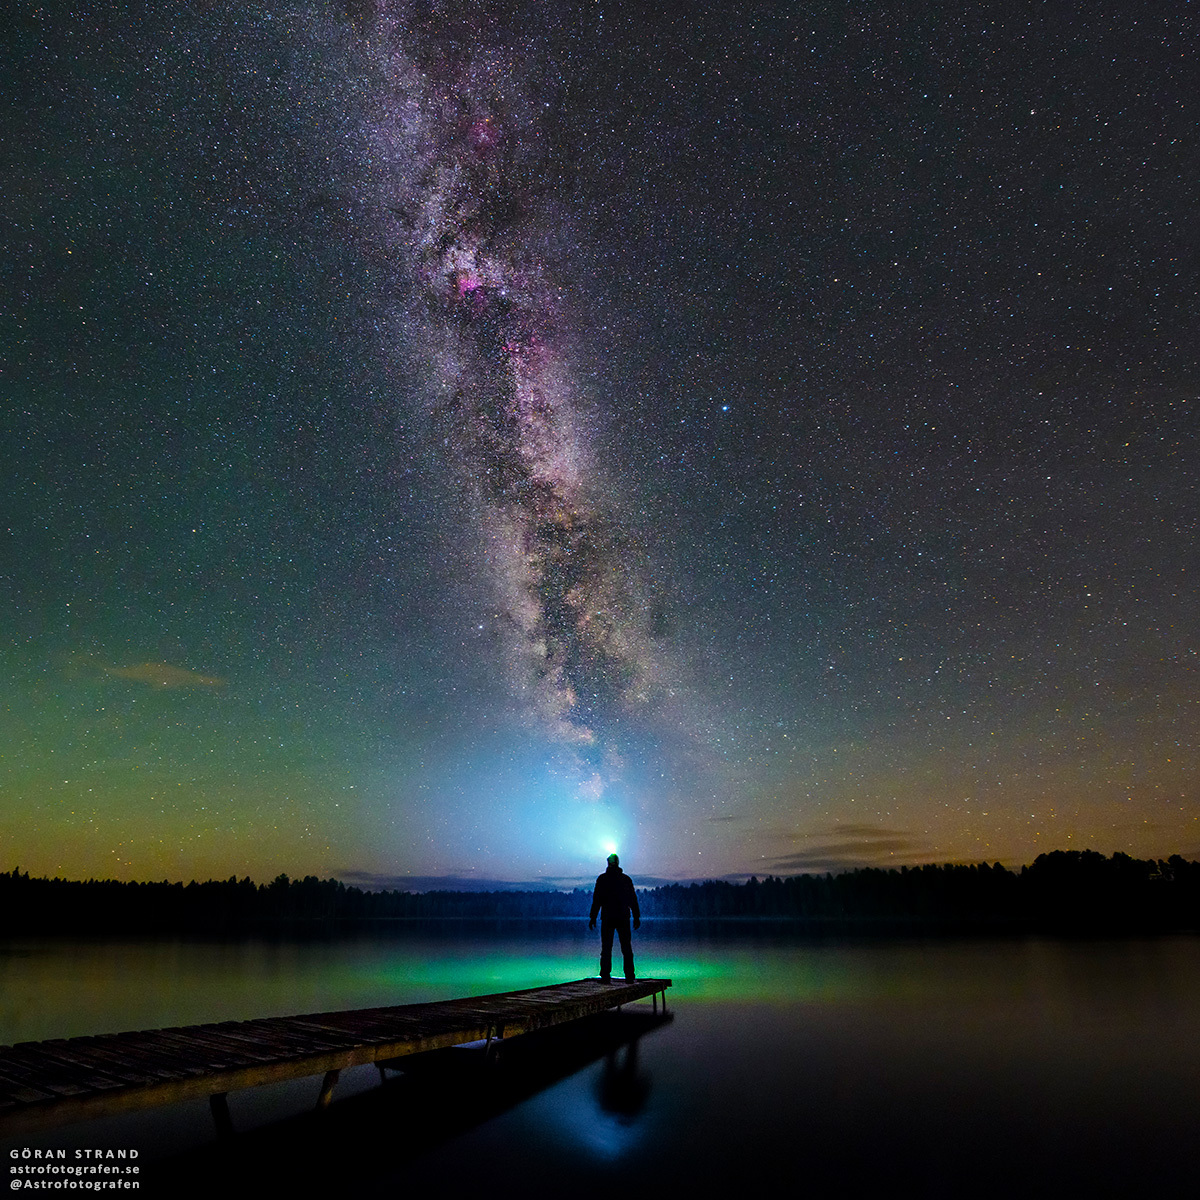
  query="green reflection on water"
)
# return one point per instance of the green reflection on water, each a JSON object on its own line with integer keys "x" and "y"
{"x": 65, "y": 988}
{"x": 448, "y": 976}
{"x": 716, "y": 973}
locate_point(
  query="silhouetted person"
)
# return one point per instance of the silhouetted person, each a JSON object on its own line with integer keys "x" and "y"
{"x": 614, "y": 899}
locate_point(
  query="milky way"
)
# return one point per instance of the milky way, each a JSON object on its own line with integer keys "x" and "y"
{"x": 443, "y": 438}
{"x": 471, "y": 208}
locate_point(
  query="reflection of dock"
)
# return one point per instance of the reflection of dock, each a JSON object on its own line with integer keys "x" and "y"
{"x": 54, "y": 1082}
{"x": 371, "y": 1140}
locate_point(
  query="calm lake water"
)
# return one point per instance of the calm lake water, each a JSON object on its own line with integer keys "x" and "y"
{"x": 985, "y": 1067}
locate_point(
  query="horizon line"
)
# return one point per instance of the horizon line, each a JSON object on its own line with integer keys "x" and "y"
{"x": 373, "y": 882}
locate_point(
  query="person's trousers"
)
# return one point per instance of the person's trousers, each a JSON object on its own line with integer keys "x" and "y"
{"x": 621, "y": 929}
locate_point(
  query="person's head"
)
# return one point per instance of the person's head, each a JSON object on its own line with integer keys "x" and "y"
{"x": 613, "y": 861}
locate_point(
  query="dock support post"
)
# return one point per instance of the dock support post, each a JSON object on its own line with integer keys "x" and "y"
{"x": 327, "y": 1086}
{"x": 492, "y": 1049}
{"x": 218, "y": 1103}
{"x": 654, "y": 1001}
{"x": 664, "y": 996}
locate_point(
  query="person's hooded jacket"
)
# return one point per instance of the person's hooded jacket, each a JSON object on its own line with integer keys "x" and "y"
{"x": 615, "y": 898}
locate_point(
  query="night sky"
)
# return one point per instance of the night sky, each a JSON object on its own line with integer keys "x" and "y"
{"x": 447, "y": 441}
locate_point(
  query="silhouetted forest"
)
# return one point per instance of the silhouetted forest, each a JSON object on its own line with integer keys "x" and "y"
{"x": 1075, "y": 890}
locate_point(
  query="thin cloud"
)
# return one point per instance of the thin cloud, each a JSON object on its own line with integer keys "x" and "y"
{"x": 163, "y": 676}
{"x": 823, "y": 860}
{"x": 372, "y": 881}
{"x": 858, "y": 845}
{"x": 569, "y": 883}
{"x": 867, "y": 832}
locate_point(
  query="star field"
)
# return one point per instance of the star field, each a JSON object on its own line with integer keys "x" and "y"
{"x": 443, "y": 440}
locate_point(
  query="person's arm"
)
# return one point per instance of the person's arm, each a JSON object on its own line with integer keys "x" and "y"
{"x": 595, "y": 905}
{"x": 633, "y": 905}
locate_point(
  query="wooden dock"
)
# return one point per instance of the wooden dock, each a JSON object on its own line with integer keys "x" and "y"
{"x": 75, "y": 1079}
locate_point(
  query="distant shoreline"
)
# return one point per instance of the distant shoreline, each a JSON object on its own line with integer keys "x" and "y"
{"x": 1068, "y": 891}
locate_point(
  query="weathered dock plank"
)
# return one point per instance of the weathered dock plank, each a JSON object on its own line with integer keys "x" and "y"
{"x": 72, "y": 1079}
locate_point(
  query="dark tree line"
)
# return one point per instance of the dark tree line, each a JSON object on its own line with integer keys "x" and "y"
{"x": 104, "y": 904}
{"x": 1063, "y": 890}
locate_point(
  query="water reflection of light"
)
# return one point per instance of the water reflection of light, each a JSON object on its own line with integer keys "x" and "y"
{"x": 582, "y": 1121}
{"x": 466, "y": 968}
